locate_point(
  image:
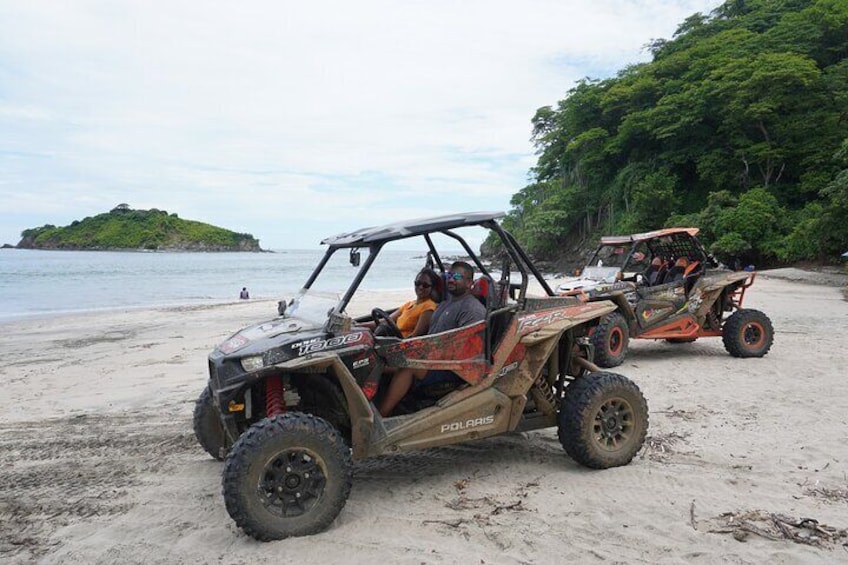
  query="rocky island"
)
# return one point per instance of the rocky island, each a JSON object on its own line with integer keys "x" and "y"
{"x": 123, "y": 228}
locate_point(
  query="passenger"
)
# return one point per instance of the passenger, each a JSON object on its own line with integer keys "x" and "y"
{"x": 413, "y": 318}
{"x": 460, "y": 309}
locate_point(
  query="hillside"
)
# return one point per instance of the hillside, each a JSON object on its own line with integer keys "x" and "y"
{"x": 126, "y": 229}
{"x": 738, "y": 126}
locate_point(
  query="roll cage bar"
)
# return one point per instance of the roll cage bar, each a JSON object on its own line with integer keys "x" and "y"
{"x": 375, "y": 238}
{"x": 669, "y": 242}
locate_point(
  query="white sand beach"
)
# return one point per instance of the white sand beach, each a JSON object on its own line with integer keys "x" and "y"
{"x": 100, "y": 465}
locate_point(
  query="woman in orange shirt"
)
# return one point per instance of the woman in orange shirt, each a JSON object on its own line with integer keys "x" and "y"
{"x": 413, "y": 318}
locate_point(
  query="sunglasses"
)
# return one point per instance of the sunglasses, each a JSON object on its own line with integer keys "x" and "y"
{"x": 455, "y": 276}
{"x": 423, "y": 284}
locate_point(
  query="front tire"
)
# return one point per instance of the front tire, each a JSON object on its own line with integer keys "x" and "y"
{"x": 747, "y": 333}
{"x": 289, "y": 475}
{"x": 610, "y": 339}
{"x": 207, "y": 426}
{"x": 603, "y": 420}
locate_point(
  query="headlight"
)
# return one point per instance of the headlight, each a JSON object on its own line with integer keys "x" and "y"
{"x": 253, "y": 363}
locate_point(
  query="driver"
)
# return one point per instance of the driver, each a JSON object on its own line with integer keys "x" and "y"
{"x": 654, "y": 271}
{"x": 461, "y": 309}
{"x": 413, "y": 318}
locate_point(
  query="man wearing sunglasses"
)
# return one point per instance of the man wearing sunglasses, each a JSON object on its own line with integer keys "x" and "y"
{"x": 460, "y": 309}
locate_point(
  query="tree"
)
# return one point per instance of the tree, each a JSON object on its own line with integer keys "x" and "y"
{"x": 735, "y": 122}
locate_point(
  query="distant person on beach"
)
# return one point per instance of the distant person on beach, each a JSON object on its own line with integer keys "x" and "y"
{"x": 244, "y": 295}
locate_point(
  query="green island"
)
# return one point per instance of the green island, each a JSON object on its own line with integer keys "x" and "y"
{"x": 738, "y": 126}
{"x": 123, "y": 228}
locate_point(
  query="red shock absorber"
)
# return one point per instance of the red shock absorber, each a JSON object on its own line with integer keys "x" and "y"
{"x": 275, "y": 402}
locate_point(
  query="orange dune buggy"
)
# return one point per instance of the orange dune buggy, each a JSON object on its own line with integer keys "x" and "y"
{"x": 666, "y": 286}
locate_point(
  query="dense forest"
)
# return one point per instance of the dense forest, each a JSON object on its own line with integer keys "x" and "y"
{"x": 738, "y": 125}
{"x": 125, "y": 228}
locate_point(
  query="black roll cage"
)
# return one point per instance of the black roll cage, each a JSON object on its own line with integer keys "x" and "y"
{"x": 375, "y": 238}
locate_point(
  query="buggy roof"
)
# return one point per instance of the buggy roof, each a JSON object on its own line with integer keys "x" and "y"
{"x": 620, "y": 239}
{"x": 409, "y": 228}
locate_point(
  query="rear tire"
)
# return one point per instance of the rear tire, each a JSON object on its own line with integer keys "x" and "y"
{"x": 610, "y": 339}
{"x": 747, "y": 333}
{"x": 603, "y": 420}
{"x": 207, "y": 426}
{"x": 289, "y": 475}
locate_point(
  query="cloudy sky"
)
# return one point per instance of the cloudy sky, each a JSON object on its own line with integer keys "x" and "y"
{"x": 292, "y": 120}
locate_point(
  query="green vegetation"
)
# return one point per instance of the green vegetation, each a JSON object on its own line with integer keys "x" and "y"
{"x": 737, "y": 126}
{"x": 124, "y": 228}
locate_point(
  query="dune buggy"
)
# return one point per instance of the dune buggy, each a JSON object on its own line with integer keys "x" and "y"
{"x": 290, "y": 402}
{"x": 666, "y": 286}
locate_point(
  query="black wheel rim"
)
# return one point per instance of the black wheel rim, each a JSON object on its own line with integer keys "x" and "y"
{"x": 293, "y": 483}
{"x": 616, "y": 341}
{"x": 614, "y": 423}
{"x": 753, "y": 335}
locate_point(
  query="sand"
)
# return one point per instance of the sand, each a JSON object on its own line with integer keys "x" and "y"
{"x": 99, "y": 463}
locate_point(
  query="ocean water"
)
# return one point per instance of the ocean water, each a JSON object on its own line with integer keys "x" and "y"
{"x": 45, "y": 283}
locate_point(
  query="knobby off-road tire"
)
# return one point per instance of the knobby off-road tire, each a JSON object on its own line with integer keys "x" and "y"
{"x": 207, "y": 426}
{"x": 611, "y": 338}
{"x": 747, "y": 333}
{"x": 289, "y": 475}
{"x": 603, "y": 420}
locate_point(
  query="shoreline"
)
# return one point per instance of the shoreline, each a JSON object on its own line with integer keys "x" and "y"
{"x": 830, "y": 277}
{"x": 105, "y": 310}
{"x": 827, "y": 277}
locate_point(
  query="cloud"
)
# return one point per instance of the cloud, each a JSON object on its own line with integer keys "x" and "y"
{"x": 286, "y": 119}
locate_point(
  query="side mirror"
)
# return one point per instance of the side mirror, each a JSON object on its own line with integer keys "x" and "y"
{"x": 354, "y": 257}
{"x": 281, "y": 307}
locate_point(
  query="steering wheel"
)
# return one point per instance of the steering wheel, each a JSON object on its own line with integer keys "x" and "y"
{"x": 382, "y": 319}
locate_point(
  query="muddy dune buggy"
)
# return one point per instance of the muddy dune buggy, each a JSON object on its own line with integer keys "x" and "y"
{"x": 666, "y": 286}
{"x": 290, "y": 402}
